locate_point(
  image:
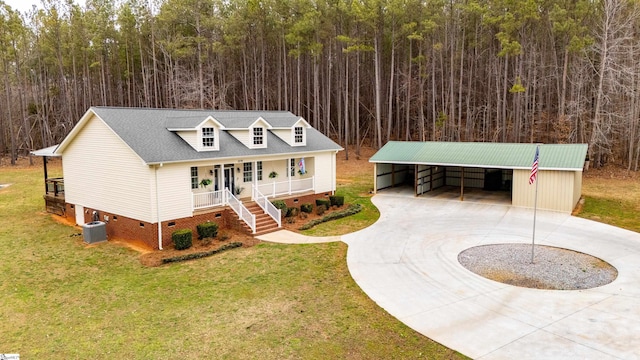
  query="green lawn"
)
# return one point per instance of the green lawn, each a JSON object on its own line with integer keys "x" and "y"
{"x": 64, "y": 300}
{"x": 612, "y": 201}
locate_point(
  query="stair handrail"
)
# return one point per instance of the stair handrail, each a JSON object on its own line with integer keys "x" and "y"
{"x": 243, "y": 213}
{"x": 266, "y": 205}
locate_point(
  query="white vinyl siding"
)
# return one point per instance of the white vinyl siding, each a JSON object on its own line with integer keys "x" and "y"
{"x": 324, "y": 165}
{"x": 191, "y": 137}
{"x": 555, "y": 190}
{"x": 174, "y": 195}
{"x": 101, "y": 172}
{"x": 243, "y": 136}
{"x": 284, "y": 135}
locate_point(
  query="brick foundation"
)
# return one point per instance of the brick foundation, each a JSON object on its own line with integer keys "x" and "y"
{"x": 122, "y": 227}
{"x": 296, "y": 201}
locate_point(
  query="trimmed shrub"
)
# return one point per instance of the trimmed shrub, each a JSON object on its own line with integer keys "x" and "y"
{"x": 352, "y": 209}
{"x": 325, "y": 202}
{"x": 306, "y": 208}
{"x": 320, "y": 209}
{"x": 293, "y": 211}
{"x": 182, "y": 239}
{"x": 202, "y": 254}
{"x": 280, "y": 204}
{"x": 336, "y": 200}
{"x": 207, "y": 230}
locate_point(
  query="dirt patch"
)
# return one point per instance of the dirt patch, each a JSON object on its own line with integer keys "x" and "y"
{"x": 357, "y": 165}
{"x": 611, "y": 172}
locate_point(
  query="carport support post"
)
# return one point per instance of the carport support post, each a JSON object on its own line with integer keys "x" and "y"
{"x": 462, "y": 184}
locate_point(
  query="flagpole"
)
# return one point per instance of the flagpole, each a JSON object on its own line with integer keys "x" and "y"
{"x": 535, "y": 208}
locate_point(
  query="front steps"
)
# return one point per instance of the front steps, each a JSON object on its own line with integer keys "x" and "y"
{"x": 264, "y": 223}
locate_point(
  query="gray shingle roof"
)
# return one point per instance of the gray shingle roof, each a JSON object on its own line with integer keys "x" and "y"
{"x": 145, "y": 132}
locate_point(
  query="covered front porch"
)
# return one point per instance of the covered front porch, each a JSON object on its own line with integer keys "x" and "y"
{"x": 248, "y": 180}
{"x": 238, "y": 184}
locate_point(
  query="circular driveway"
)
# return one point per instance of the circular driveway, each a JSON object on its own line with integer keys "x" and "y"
{"x": 407, "y": 263}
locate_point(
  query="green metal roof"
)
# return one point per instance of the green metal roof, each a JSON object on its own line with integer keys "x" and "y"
{"x": 485, "y": 155}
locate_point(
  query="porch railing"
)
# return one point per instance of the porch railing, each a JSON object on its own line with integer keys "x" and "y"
{"x": 208, "y": 199}
{"x": 289, "y": 187}
{"x": 54, "y": 186}
{"x": 241, "y": 210}
{"x": 266, "y": 205}
{"x": 221, "y": 198}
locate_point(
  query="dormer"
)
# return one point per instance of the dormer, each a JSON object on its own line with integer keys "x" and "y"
{"x": 254, "y": 136}
{"x": 204, "y": 137}
{"x": 296, "y": 135}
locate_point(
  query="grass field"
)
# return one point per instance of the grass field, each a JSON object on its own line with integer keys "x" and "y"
{"x": 62, "y": 299}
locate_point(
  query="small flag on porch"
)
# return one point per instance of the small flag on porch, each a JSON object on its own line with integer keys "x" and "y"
{"x": 534, "y": 167}
{"x": 301, "y": 165}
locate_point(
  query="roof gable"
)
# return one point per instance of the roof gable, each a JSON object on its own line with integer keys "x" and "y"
{"x": 488, "y": 155}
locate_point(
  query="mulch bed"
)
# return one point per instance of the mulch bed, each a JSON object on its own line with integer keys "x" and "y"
{"x": 154, "y": 258}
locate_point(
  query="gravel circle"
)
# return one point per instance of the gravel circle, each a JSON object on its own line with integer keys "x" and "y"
{"x": 553, "y": 268}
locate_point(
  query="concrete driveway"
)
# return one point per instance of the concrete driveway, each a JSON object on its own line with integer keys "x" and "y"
{"x": 407, "y": 263}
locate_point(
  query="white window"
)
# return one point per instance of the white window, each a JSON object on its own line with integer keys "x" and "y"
{"x": 194, "y": 177}
{"x": 298, "y": 135}
{"x": 208, "y": 137}
{"x": 258, "y": 136}
{"x": 259, "y": 170}
{"x": 247, "y": 174}
{"x": 292, "y": 169}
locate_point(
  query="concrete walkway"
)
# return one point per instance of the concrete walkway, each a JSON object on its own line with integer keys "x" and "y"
{"x": 407, "y": 263}
{"x": 290, "y": 237}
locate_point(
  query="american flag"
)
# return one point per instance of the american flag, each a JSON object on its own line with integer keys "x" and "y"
{"x": 534, "y": 167}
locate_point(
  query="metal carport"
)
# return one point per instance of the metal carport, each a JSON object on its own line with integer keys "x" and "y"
{"x": 428, "y": 166}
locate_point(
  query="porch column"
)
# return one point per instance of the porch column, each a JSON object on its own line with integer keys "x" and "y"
{"x": 289, "y": 174}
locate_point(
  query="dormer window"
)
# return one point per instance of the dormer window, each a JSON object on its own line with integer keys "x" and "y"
{"x": 258, "y": 136}
{"x": 298, "y": 135}
{"x": 208, "y": 137}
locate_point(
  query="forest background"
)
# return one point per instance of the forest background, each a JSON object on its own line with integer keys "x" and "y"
{"x": 360, "y": 71}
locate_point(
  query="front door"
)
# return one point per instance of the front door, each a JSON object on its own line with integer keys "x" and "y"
{"x": 229, "y": 182}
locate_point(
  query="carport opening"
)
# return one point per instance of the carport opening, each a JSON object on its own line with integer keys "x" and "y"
{"x": 449, "y": 182}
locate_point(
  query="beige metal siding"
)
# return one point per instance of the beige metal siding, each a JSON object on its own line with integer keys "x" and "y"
{"x": 555, "y": 190}
{"x": 577, "y": 187}
{"x": 174, "y": 183}
{"x": 101, "y": 172}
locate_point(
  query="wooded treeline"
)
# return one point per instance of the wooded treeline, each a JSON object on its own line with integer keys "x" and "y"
{"x": 561, "y": 71}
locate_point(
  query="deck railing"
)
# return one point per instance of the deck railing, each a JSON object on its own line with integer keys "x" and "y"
{"x": 266, "y": 205}
{"x": 55, "y": 186}
{"x": 289, "y": 187}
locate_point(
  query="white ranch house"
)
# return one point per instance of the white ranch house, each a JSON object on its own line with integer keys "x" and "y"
{"x": 165, "y": 166}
